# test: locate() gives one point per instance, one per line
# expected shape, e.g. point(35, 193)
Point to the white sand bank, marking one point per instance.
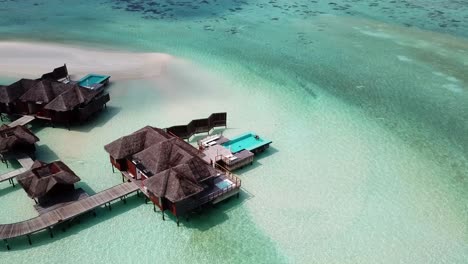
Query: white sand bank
point(30, 60)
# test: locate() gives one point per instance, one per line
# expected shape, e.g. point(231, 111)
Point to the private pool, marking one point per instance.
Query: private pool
point(248, 141)
point(93, 80)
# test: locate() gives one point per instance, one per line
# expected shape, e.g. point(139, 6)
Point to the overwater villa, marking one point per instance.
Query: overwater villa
point(233, 153)
point(49, 99)
point(48, 183)
point(18, 139)
point(172, 173)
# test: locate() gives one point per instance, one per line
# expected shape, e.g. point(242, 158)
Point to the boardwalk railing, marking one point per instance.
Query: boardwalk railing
point(199, 126)
point(67, 212)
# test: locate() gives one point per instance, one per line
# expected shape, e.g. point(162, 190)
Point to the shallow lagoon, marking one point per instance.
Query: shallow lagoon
point(369, 122)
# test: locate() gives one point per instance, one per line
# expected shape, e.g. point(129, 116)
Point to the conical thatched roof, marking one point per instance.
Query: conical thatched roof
point(72, 97)
point(13, 91)
point(44, 91)
point(174, 184)
point(41, 178)
point(11, 137)
point(162, 156)
point(135, 142)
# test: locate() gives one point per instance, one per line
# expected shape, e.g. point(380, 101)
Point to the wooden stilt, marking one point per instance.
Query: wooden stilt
point(113, 171)
point(146, 200)
point(125, 200)
point(163, 215)
point(237, 195)
point(138, 193)
point(110, 207)
point(94, 213)
point(154, 208)
point(29, 239)
point(177, 221)
point(6, 244)
point(51, 233)
point(13, 182)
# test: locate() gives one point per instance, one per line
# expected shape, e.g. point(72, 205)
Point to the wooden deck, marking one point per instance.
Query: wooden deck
point(22, 121)
point(25, 161)
point(12, 174)
point(68, 212)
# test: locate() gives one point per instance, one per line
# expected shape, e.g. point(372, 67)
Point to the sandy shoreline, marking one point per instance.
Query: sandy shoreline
point(31, 59)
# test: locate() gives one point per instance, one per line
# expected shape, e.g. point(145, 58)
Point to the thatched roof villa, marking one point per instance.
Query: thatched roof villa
point(46, 183)
point(48, 99)
point(171, 172)
point(18, 139)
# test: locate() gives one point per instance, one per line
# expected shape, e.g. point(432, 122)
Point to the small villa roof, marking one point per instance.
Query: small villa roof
point(135, 142)
point(72, 97)
point(44, 91)
point(10, 137)
point(42, 177)
point(10, 93)
point(175, 184)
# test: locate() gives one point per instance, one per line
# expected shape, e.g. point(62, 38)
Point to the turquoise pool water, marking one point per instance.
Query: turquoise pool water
point(246, 141)
point(224, 184)
point(91, 79)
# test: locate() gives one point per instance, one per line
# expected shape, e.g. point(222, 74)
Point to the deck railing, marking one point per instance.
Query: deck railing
point(235, 184)
point(199, 125)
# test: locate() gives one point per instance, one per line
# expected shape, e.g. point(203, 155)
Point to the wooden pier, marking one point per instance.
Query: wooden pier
point(26, 119)
point(26, 163)
point(68, 212)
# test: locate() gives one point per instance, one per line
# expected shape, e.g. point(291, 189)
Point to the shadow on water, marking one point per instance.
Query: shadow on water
point(257, 160)
point(212, 215)
point(205, 219)
point(99, 120)
point(46, 154)
point(179, 10)
point(8, 188)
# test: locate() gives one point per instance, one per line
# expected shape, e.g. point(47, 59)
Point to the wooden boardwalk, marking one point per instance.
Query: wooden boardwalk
point(22, 121)
point(67, 212)
point(12, 174)
point(25, 161)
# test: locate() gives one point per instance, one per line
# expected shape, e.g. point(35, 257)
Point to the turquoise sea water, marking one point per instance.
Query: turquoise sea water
point(366, 103)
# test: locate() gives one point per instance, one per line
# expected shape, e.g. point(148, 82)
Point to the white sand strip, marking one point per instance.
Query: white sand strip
point(31, 59)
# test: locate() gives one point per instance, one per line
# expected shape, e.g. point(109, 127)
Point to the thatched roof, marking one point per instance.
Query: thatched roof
point(169, 154)
point(44, 91)
point(174, 184)
point(56, 74)
point(135, 142)
point(13, 91)
point(11, 137)
point(41, 178)
point(72, 97)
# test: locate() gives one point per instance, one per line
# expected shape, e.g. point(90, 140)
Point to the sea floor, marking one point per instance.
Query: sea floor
point(368, 120)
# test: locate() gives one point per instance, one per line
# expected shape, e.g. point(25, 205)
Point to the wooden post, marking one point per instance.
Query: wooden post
point(237, 195)
point(177, 221)
point(50, 232)
point(6, 162)
point(29, 239)
point(13, 182)
point(146, 200)
point(94, 213)
point(163, 215)
point(6, 243)
point(138, 193)
point(110, 207)
point(125, 199)
point(154, 208)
